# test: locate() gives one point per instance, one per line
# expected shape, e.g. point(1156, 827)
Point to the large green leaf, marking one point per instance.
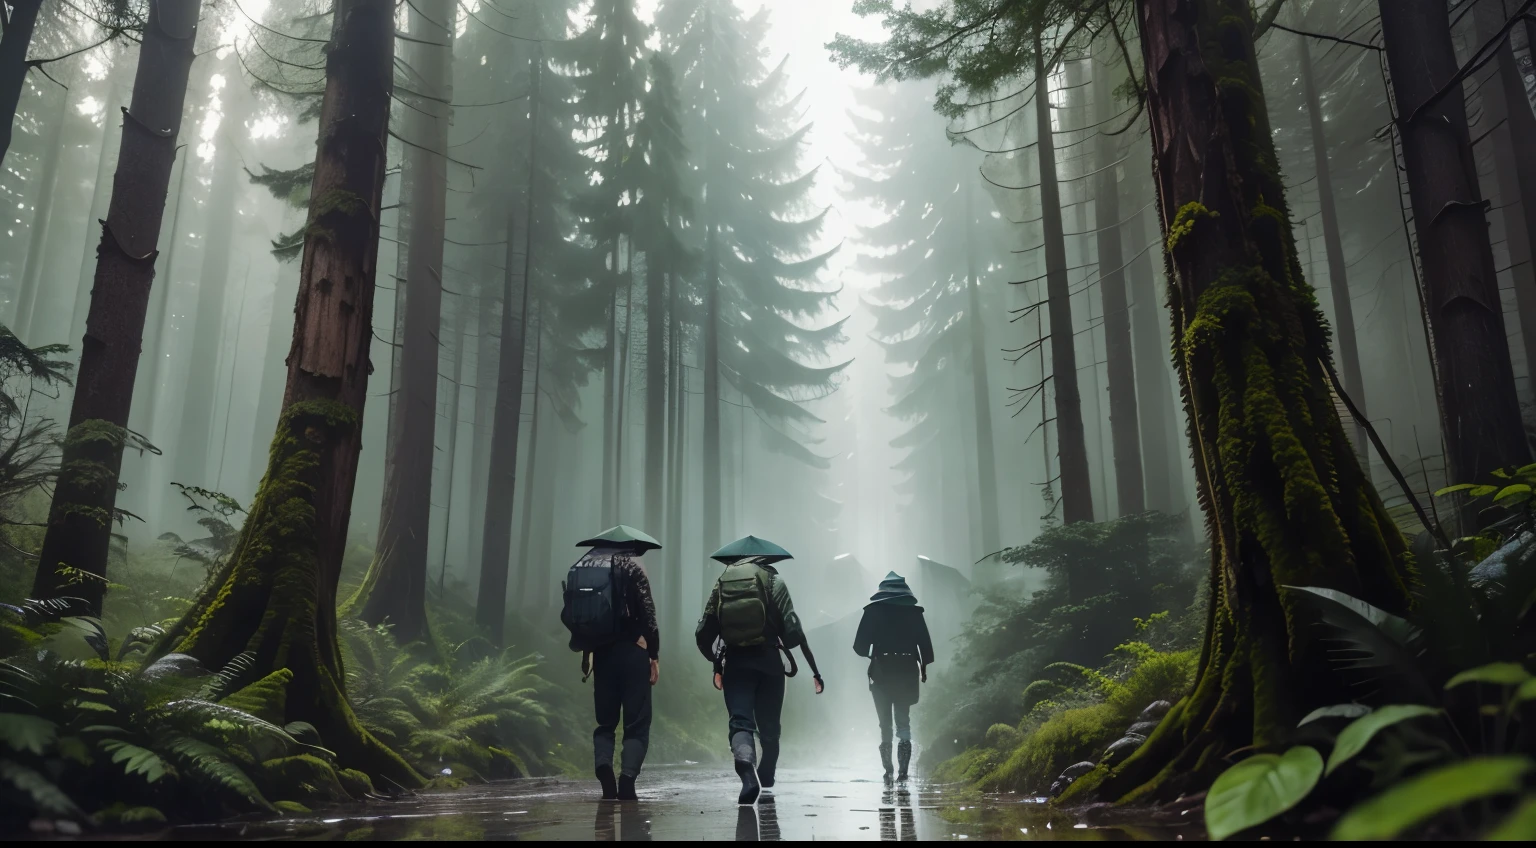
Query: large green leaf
point(1260, 788)
point(1374, 640)
point(1335, 711)
point(1520, 826)
point(1354, 738)
point(1423, 797)
point(1497, 674)
point(30, 733)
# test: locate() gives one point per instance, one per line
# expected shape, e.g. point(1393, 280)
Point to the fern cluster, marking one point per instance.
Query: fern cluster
point(86, 737)
point(475, 715)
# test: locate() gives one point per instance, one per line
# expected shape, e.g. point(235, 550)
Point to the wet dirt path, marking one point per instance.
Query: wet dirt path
point(684, 803)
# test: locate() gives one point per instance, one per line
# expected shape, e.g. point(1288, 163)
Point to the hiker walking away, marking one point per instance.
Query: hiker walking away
point(612, 619)
point(747, 631)
point(894, 636)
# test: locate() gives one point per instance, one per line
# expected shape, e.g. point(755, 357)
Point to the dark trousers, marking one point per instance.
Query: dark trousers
point(621, 681)
point(889, 707)
point(755, 700)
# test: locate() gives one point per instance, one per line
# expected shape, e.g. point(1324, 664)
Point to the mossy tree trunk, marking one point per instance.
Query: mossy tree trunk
point(277, 596)
point(1071, 443)
point(1285, 499)
point(73, 560)
point(398, 590)
point(1479, 412)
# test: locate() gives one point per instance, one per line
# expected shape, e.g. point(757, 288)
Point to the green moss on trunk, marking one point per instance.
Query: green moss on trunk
point(1283, 491)
point(273, 600)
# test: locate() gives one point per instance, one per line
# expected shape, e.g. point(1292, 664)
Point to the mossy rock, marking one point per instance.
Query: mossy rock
point(122, 815)
point(305, 778)
point(444, 783)
point(357, 783)
point(291, 808)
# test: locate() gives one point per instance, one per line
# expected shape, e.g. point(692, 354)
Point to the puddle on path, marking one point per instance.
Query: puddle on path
point(688, 803)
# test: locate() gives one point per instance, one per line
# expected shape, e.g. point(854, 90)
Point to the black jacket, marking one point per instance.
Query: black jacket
point(893, 629)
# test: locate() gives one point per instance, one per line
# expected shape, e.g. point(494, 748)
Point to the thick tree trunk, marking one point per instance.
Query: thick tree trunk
point(42, 218)
point(1512, 133)
point(14, 42)
point(399, 588)
point(1124, 420)
point(1072, 448)
point(1480, 415)
point(111, 132)
point(711, 367)
point(276, 599)
point(73, 560)
point(1286, 501)
point(507, 423)
point(274, 371)
point(981, 392)
point(198, 394)
point(1345, 346)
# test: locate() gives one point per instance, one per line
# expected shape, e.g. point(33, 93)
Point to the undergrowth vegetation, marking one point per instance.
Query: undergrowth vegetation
point(1120, 602)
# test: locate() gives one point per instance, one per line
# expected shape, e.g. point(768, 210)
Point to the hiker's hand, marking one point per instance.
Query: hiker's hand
point(925, 674)
point(655, 671)
point(718, 683)
point(820, 687)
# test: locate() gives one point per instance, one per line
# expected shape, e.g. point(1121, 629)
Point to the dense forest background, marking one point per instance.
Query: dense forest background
point(661, 263)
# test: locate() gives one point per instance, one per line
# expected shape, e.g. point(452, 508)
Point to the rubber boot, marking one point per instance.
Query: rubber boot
point(627, 788)
point(904, 757)
point(767, 765)
point(605, 777)
point(885, 759)
point(744, 750)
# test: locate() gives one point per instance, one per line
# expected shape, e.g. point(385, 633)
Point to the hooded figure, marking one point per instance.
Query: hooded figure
point(894, 636)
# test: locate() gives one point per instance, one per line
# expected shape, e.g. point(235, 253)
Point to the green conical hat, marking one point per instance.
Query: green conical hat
point(750, 547)
point(622, 536)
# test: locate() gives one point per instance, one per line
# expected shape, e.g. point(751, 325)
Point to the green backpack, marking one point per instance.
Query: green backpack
point(745, 605)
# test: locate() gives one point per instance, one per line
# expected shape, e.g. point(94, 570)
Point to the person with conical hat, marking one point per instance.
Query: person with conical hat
point(612, 618)
point(894, 636)
point(748, 622)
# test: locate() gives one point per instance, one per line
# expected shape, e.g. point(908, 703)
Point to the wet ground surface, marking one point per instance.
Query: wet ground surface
point(689, 803)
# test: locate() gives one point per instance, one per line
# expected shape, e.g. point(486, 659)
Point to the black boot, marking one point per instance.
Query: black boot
point(904, 757)
point(768, 765)
point(605, 777)
point(627, 788)
point(885, 760)
point(744, 750)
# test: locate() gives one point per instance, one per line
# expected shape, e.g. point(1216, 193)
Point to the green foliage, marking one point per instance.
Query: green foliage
point(1353, 739)
point(1129, 573)
point(1427, 795)
point(1260, 788)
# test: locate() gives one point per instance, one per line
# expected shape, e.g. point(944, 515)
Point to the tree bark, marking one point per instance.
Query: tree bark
point(527, 547)
point(276, 599)
point(1124, 420)
point(676, 430)
point(1072, 448)
point(42, 218)
point(1512, 132)
point(73, 560)
point(1286, 501)
point(487, 324)
point(981, 392)
point(14, 42)
point(100, 197)
point(197, 397)
point(1480, 415)
point(1345, 346)
point(501, 487)
point(399, 589)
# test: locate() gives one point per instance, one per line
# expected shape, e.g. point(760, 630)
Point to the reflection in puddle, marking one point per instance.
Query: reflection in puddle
point(687, 803)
